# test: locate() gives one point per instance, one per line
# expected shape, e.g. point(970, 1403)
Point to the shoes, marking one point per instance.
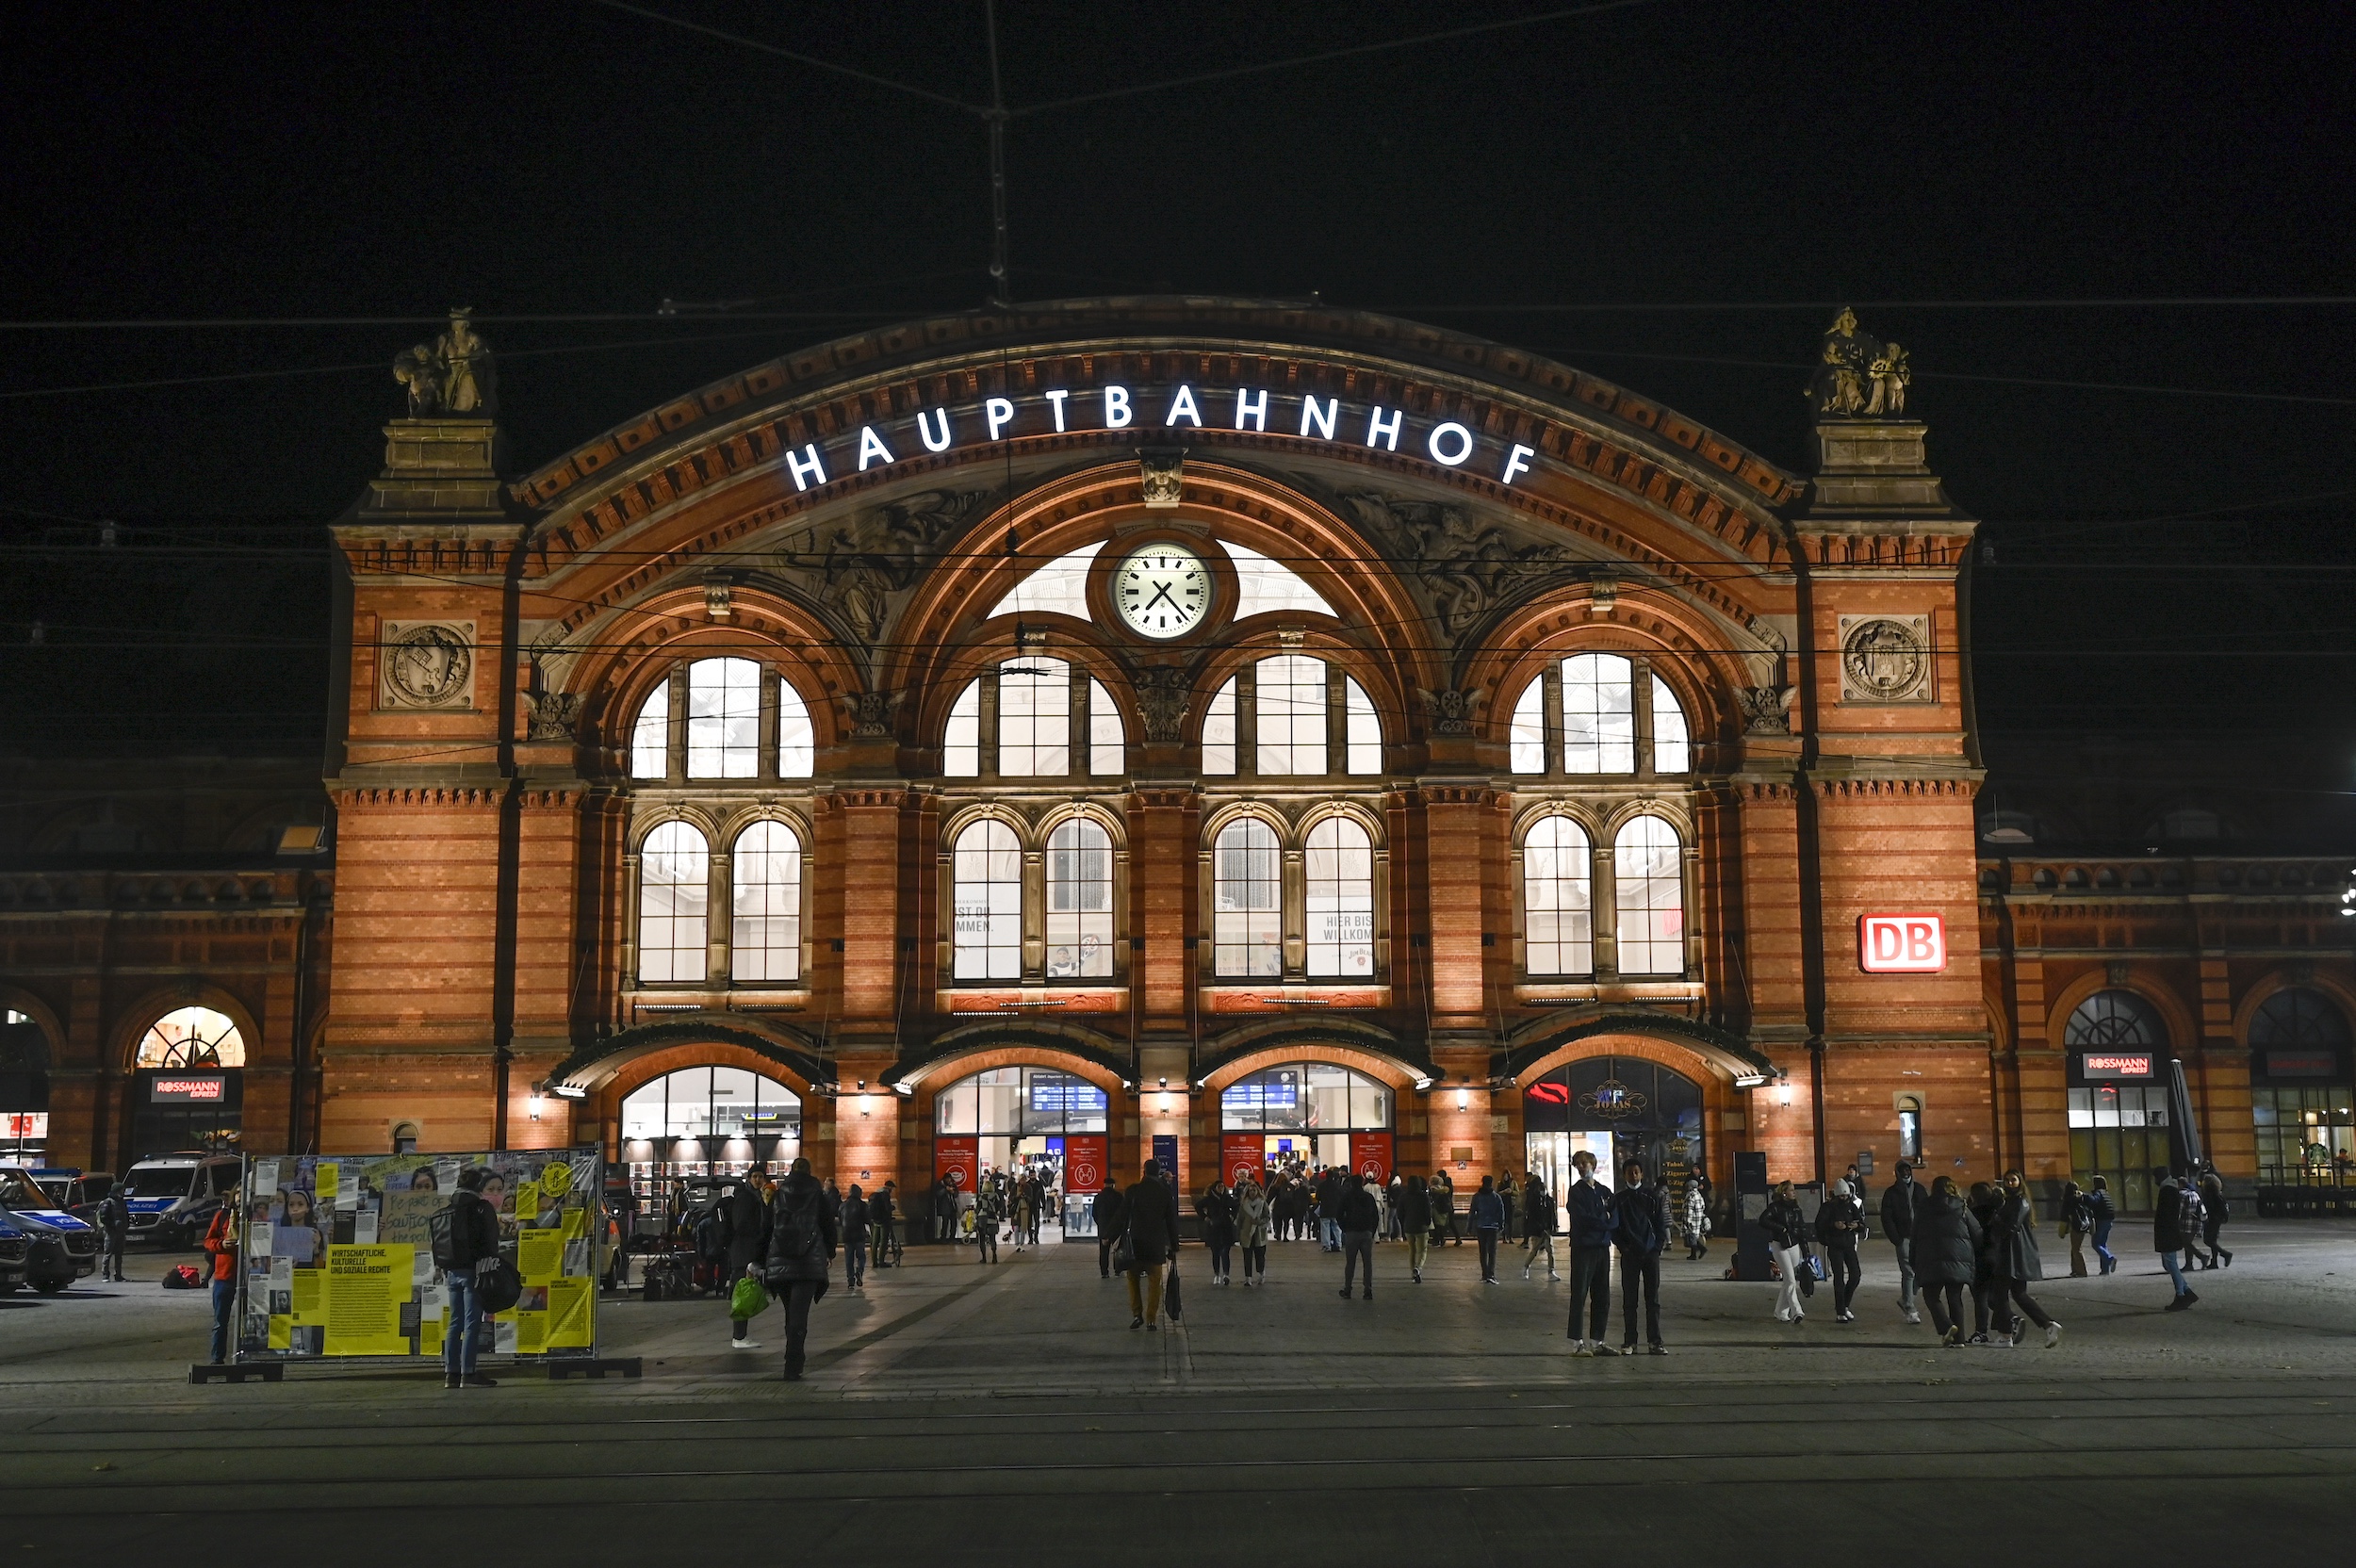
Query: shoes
point(1977, 1339)
point(744, 1345)
point(1660, 1350)
point(1603, 1349)
point(2227, 1256)
point(1369, 1297)
point(1417, 1275)
point(2052, 1335)
point(1552, 1275)
point(1582, 1348)
point(1524, 1273)
point(1798, 1318)
point(1844, 1318)
point(1153, 1327)
point(1137, 1322)
point(480, 1380)
point(1913, 1316)
point(1952, 1337)
point(453, 1383)
point(792, 1376)
point(1489, 1278)
point(1629, 1348)
point(1344, 1293)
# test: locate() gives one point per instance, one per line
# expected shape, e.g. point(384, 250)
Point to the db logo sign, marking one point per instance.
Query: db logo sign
point(1902, 944)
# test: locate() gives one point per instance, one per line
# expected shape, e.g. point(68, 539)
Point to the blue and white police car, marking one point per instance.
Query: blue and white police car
point(60, 1248)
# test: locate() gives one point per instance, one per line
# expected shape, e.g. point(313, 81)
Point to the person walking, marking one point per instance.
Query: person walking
point(1592, 1222)
point(1251, 1231)
point(989, 1210)
point(1538, 1224)
point(853, 1221)
point(1946, 1252)
point(474, 1240)
point(1414, 1221)
point(945, 1208)
point(1643, 1231)
point(2013, 1255)
point(221, 1240)
point(1145, 1220)
point(2213, 1216)
point(2175, 1220)
point(2075, 1224)
point(1698, 1219)
point(1448, 1210)
point(1511, 1197)
point(1216, 1211)
point(1899, 1201)
point(1786, 1233)
point(1840, 1227)
point(1488, 1218)
point(744, 1224)
point(1390, 1207)
point(1110, 1210)
point(1990, 1314)
point(802, 1244)
point(881, 1218)
point(114, 1231)
point(2105, 1214)
point(1359, 1218)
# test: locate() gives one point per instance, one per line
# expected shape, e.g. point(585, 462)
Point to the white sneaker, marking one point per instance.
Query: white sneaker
point(1914, 1317)
point(1581, 1349)
point(2052, 1335)
point(744, 1345)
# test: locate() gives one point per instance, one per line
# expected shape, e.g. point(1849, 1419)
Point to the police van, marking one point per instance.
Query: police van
point(173, 1197)
point(59, 1249)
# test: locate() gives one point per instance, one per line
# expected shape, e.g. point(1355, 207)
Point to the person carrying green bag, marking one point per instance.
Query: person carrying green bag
point(745, 1217)
point(748, 1301)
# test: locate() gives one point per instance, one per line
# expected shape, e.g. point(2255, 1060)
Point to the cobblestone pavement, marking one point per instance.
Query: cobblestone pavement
point(996, 1413)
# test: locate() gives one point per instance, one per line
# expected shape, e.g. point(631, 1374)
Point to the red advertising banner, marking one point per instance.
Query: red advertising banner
point(958, 1157)
point(1086, 1160)
point(1371, 1155)
point(1242, 1154)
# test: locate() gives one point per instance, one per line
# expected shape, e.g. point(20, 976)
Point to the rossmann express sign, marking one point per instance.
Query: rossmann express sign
point(1902, 943)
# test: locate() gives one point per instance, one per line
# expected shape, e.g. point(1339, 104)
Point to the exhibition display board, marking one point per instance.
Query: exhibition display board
point(338, 1259)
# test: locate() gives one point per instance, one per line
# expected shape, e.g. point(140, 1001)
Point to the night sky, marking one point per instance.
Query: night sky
point(1672, 194)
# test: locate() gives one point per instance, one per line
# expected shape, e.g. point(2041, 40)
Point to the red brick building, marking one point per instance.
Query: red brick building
point(1271, 729)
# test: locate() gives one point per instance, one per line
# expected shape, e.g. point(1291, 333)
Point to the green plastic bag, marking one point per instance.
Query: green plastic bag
point(747, 1300)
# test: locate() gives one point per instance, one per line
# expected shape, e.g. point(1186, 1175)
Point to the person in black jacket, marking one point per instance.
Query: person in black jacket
point(2175, 1220)
point(1839, 1225)
point(851, 1219)
point(1898, 1205)
point(1786, 1233)
point(1538, 1224)
point(1594, 1221)
point(802, 1244)
point(1415, 1220)
point(1642, 1230)
point(1110, 1210)
point(744, 1217)
point(1216, 1211)
point(1946, 1256)
point(474, 1240)
point(2213, 1216)
point(114, 1228)
point(1359, 1218)
point(2103, 1213)
point(2012, 1254)
point(883, 1216)
point(1149, 1222)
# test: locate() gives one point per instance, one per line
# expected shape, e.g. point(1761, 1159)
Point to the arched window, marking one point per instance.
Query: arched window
point(674, 901)
point(1218, 731)
point(1605, 730)
point(1339, 899)
point(1108, 740)
point(1287, 706)
point(986, 870)
point(765, 934)
point(1029, 705)
point(1528, 738)
point(962, 743)
point(1247, 901)
point(1034, 718)
point(1364, 730)
point(650, 737)
point(1291, 727)
point(1669, 750)
point(1558, 899)
point(192, 1036)
point(1305, 1112)
point(2298, 1017)
point(1649, 883)
point(723, 718)
point(2115, 1018)
point(797, 744)
point(1079, 902)
point(705, 1121)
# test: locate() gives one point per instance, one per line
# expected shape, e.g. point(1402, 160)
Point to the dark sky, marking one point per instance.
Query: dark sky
point(390, 160)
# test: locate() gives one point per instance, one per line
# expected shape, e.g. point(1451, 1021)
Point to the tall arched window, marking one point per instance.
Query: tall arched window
point(765, 934)
point(650, 737)
point(1108, 740)
point(1247, 902)
point(1558, 899)
point(2119, 1115)
point(674, 900)
point(1024, 718)
point(2297, 1016)
point(1291, 727)
point(2115, 1018)
point(1218, 731)
point(723, 718)
point(962, 743)
point(987, 870)
point(192, 1036)
point(797, 744)
point(1528, 738)
point(1669, 750)
point(2299, 1091)
point(1079, 902)
point(1605, 729)
point(1296, 724)
point(1034, 718)
point(1649, 883)
point(1339, 902)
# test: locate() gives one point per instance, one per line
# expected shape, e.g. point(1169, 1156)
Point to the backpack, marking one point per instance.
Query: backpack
point(441, 1228)
point(182, 1278)
point(798, 1234)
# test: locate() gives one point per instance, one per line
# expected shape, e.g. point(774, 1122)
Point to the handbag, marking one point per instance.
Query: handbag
point(1124, 1254)
point(497, 1286)
point(749, 1300)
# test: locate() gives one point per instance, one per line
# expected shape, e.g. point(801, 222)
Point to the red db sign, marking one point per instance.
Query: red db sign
point(1901, 944)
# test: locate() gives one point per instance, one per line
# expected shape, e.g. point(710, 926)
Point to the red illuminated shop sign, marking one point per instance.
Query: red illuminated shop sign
point(1902, 944)
point(189, 1091)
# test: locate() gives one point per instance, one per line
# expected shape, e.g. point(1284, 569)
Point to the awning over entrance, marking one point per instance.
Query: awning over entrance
point(594, 1065)
point(1729, 1053)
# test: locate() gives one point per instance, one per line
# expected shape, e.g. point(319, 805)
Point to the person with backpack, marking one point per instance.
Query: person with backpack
point(1488, 1218)
point(1110, 1210)
point(221, 1240)
point(743, 1216)
point(2104, 1214)
point(1839, 1225)
point(989, 1211)
point(802, 1244)
point(1786, 1233)
point(465, 1235)
point(1415, 1222)
point(1594, 1221)
point(2175, 1220)
point(1538, 1225)
point(1946, 1249)
point(2213, 1216)
point(114, 1230)
point(852, 1219)
point(1642, 1209)
point(2075, 1225)
point(1899, 1202)
point(883, 1218)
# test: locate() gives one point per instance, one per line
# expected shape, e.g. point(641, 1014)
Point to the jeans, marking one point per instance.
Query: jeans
point(2175, 1272)
point(1487, 1239)
point(1418, 1248)
point(1104, 1246)
point(884, 1235)
point(1541, 1245)
point(1591, 1286)
point(1333, 1236)
point(2018, 1291)
point(1145, 1291)
point(854, 1262)
point(2103, 1245)
point(1904, 1248)
point(1640, 1271)
point(458, 1343)
point(1788, 1298)
point(1357, 1245)
point(1845, 1274)
point(224, 1305)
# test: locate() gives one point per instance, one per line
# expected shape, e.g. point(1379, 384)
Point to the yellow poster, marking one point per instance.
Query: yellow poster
point(539, 1256)
point(324, 1180)
point(430, 1337)
point(305, 1298)
point(572, 1321)
point(531, 1332)
point(279, 1336)
point(528, 1201)
point(366, 1287)
point(576, 1224)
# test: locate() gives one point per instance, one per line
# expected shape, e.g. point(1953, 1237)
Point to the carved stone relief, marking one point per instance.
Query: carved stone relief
point(425, 665)
point(1886, 659)
point(1766, 711)
point(1451, 711)
point(1466, 566)
point(862, 566)
point(555, 716)
point(1162, 469)
point(1163, 694)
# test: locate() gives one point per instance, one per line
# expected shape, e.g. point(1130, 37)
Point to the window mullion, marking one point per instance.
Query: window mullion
point(988, 724)
point(1337, 721)
point(675, 741)
point(1640, 707)
point(1247, 721)
point(1551, 718)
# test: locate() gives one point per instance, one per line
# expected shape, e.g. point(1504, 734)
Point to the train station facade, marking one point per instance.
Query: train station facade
point(1211, 729)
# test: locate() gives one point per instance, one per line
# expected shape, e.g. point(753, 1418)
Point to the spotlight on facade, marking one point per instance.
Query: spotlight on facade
point(570, 1091)
point(1751, 1081)
point(1423, 1085)
point(905, 1090)
point(866, 1106)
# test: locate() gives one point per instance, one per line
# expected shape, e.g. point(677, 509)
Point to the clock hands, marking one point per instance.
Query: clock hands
point(1160, 592)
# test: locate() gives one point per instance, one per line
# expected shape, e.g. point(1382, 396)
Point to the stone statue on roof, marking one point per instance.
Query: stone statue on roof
point(1858, 376)
point(453, 374)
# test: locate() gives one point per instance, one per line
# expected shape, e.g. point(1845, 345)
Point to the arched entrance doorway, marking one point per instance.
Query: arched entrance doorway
point(1300, 1116)
point(188, 1083)
point(703, 1125)
point(24, 1088)
point(1011, 1125)
point(1617, 1108)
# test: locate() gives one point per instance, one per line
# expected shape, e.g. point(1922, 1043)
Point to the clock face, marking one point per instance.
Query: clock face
point(1162, 590)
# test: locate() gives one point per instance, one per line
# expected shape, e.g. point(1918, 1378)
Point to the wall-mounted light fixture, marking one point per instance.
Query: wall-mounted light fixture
point(1165, 1086)
point(533, 1104)
point(1753, 1080)
point(1422, 1084)
point(866, 1106)
point(1783, 1092)
point(1464, 1098)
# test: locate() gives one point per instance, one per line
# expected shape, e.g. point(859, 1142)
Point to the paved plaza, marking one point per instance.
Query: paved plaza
point(1010, 1414)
